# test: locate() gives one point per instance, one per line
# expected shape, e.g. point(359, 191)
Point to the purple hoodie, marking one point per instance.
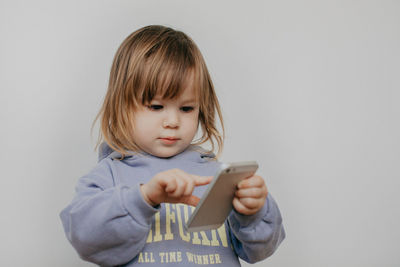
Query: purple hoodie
point(109, 223)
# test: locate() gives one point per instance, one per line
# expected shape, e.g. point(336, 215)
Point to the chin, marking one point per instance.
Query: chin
point(168, 152)
point(164, 153)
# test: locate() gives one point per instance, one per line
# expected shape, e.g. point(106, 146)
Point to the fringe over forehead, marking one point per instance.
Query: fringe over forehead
point(160, 61)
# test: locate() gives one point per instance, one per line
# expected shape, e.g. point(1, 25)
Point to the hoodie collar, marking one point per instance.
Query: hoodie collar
point(196, 153)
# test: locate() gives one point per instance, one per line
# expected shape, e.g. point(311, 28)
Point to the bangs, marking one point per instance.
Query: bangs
point(169, 69)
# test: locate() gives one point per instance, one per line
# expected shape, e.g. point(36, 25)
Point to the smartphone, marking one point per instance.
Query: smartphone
point(216, 203)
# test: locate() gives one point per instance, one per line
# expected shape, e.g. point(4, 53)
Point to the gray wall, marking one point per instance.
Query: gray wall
point(309, 89)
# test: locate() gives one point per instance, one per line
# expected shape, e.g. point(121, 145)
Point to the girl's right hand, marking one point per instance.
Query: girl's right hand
point(173, 186)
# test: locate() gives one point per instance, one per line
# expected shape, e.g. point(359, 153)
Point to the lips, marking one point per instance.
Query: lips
point(169, 140)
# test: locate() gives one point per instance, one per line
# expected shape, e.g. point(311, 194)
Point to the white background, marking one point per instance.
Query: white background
point(309, 89)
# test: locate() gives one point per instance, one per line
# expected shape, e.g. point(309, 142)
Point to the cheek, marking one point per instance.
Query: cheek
point(193, 124)
point(145, 124)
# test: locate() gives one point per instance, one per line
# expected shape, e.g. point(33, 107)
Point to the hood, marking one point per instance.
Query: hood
point(106, 151)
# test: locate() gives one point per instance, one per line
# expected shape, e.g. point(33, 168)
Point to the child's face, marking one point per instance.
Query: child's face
point(166, 127)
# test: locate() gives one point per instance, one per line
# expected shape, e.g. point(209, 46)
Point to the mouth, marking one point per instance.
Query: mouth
point(169, 140)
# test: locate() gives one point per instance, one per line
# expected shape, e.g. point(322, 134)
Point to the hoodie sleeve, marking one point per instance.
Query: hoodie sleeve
point(107, 224)
point(256, 237)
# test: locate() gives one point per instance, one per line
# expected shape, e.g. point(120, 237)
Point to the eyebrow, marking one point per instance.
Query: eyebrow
point(191, 100)
point(185, 101)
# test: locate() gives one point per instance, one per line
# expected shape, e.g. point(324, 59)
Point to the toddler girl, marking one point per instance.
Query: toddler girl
point(131, 208)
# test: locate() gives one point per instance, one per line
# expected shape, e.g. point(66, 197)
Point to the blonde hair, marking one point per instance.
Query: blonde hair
point(155, 60)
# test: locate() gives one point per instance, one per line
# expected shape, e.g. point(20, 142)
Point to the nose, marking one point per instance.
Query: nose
point(171, 119)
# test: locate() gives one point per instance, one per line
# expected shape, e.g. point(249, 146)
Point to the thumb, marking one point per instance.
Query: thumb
point(190, 200)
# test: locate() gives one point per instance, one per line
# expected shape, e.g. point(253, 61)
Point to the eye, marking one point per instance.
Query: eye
point(155, 107)
point(187, 109)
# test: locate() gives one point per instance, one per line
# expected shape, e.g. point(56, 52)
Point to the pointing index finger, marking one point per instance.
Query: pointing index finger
point(202, 180)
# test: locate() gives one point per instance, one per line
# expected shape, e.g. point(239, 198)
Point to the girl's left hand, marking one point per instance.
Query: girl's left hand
point(250, 196)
